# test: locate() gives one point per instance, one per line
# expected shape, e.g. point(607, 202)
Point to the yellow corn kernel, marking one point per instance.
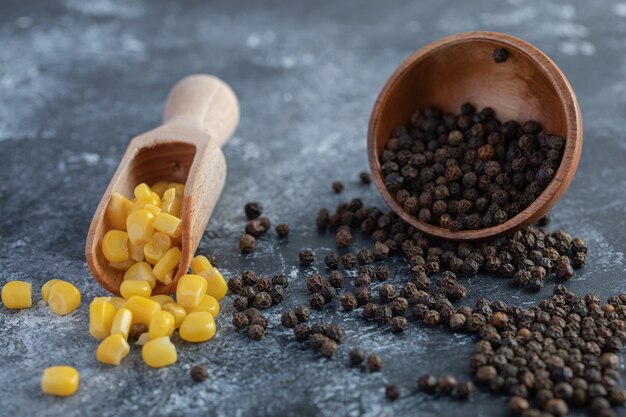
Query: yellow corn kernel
point(162, 324)
point(129, 288)
point(61, 381)
point(118, 302)
point(190, 290)
point(167, 263)
point(156, 199)
point(208, 304)
point(64, 298)
point(216, 284)
point(117, 210)
point(177, 311)
point(152, 209)
point(197, 327)
point(162, 299)
point(17, 294)
point(180, 188)
point(142, 339)
point(168, 278)
point(113, 349)
point(101, 316)
point(159, 187)
point(122, 321)
point(171, 203)
point(156, 247)
point(136, 252)
point(140, 225)
point(143, 309)
point(122, 266)
point(159, 352)
point(45, 288)
point(168, 224)
point(200, 263)
point(115, 246)
point(141, 271)
point(142, 192)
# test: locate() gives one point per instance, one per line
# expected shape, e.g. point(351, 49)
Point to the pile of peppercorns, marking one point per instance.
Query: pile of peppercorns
point(468, 171)
point(257, 291)
point(560, 353)
point(258, 226)
point(527, 255)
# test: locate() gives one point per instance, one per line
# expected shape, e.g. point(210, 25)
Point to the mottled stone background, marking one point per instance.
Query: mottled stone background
point(79, 78)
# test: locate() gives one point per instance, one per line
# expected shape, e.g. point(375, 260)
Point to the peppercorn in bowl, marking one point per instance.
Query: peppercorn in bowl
point(474, 136)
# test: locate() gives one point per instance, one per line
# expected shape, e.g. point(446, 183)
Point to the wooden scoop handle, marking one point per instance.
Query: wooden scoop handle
point(205, 103)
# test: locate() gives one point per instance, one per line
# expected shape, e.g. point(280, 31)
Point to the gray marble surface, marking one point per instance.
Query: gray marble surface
point(79, 78)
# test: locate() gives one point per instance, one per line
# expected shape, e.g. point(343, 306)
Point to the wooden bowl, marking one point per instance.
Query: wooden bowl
point(459, 69)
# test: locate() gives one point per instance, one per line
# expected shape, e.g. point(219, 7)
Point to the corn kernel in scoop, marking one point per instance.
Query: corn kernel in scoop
point(197, 327)
point(156, 247)
point(118, 302)
point(142, 192)
point(140, 225)
point(136, 252)
point(190, 290)
point(141, 271)
point(168, 224)
point(61, 381)
point(159, 187)
point(64, 298)
point(171, 203)
point(122, 266)
point(115, 246)
point(117, 210)
point(128, 288)
point(143, 309)
point(216, 284)
point(162, 324)
point(113, 349)
point(166, 264)
point(159, 352)
point(101, 314)
point(17, 294)
point(122, 320)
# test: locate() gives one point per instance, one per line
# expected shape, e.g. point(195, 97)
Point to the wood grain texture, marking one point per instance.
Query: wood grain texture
point(201, 114)
point(460, 68)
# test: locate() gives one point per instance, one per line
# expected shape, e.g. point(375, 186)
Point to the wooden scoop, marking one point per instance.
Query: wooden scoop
point(460, 68)
point(201, 113)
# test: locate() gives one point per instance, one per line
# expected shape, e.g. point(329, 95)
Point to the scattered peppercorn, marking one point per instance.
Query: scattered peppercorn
point(337, 187)
point(343, 237)
point(398, 324)
point(256, 332)
point(306, 257)
point(199, 373)
point(137, 330)
point(289, 318)
point(331, 260)
point(316, 301)
point(348, 301)
point(247, 243)
point(282, 230)
point(240, 320)
point(392, 392)
point(500, 55)
point(374, 362)
point(235, 285)
point(253, 210)
point(302, 313)
point(427, 383)
point(301, 331)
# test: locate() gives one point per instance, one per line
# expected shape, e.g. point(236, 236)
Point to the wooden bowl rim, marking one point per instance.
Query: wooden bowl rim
point(571, 154)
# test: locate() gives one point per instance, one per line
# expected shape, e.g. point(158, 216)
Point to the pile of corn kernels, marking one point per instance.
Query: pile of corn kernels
point(144, 242)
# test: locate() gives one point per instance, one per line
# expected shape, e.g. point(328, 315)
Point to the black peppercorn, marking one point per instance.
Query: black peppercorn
point(335, 332)
point(235, 285)
point(282, 230)
point(277, 293)
point(398, 324)
point(374, 362)
point(137, 330)
point(315, 283)
point(262, 300)
point(343, 237)
point(260, 320)
point(306, 257)
point(392, 392)
point(362, 295)
point(427, 383)
point(262, 284)
point(301, 331)
point(302, 313)
point(337, 187)
point(255, 228)
point(199, 373)
point(249, 278)
point(356, 356)
point(240, 320)
point(317, 301)
point(247, 243)
point(446, 384)
point(387, 293)
point(256, 332)
point(328, 348)
point(240, 303)
point(348, 301)
point(331, 260)
point(253, 210)
point(289, 318)
point(335, 278)
point(465, 389)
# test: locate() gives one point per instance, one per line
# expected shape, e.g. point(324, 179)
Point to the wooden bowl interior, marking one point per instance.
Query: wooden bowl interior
point(164, 162)
point(461, 70)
